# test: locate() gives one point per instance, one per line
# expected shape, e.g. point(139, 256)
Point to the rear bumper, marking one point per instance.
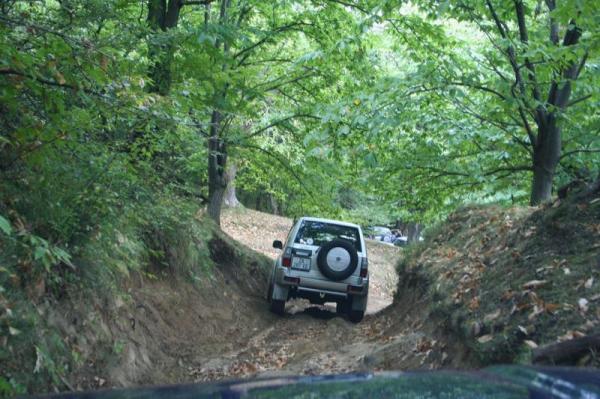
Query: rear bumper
point(360, 285)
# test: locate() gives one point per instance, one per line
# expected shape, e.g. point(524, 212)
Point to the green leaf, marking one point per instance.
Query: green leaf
point(5, 226)
point(39, 253)
point(13, 331)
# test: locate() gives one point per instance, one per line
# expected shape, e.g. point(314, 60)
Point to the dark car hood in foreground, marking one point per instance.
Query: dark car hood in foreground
point(496, 382)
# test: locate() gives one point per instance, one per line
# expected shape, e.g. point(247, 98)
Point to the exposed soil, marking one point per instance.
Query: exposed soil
point(170, 331)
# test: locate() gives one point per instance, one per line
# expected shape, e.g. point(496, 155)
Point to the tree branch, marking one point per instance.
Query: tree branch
point(479, 87)
point(518, 168)
point(510, 50)
point(551, 4)
point(586, 150)
point(351, 5)
point(280, 161)
point(8, 71)
point(560, 96)
point(268, 36)
point(580, 99)
point(196, 2)
point(277, 122)
point(520, 11)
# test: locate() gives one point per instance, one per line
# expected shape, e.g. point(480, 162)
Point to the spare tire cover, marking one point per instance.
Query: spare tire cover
point(337, 259)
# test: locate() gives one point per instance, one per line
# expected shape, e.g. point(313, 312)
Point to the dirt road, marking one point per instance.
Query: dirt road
point(220, 327)
point(313, 339)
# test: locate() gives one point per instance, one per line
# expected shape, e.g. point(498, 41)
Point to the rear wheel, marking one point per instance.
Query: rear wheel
point(270, 292)
point(341, 307)
point(277, 306)
point(356, 316)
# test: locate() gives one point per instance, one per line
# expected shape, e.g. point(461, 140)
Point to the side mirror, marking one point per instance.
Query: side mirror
point(277, 244)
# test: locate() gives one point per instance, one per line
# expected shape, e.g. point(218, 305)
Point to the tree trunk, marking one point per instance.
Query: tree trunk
point(162, 16)
point(546, 155)
point(414, 232)
point(258, 201)
point(547, 146)
point(217, 161)
point(217, 151)
point(230, 199)
point(215, 201)
point(274, 205)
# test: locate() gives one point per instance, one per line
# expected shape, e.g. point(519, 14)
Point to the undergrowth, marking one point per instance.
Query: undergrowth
point(159, 240)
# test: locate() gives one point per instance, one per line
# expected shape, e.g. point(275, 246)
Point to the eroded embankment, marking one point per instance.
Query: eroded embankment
point(161, 326)
point(508, 284)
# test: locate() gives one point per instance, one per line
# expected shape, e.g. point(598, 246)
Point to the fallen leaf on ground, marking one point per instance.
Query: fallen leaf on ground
point(537, 310)
point(485, 338)
point(492, 316)
point(508, 295)
point(533, 284)
point(474, 304)
point(583, 304)
point(551, 307)
point(424, 345)
point(530, 344)
point(523, 330)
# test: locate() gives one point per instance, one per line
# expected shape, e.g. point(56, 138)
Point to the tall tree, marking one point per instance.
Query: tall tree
point(543, 98)
point(261, 53)
point(529, 72)
point(163, 15)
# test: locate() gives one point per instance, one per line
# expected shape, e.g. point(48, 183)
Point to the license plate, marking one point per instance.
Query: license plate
point(300, 263)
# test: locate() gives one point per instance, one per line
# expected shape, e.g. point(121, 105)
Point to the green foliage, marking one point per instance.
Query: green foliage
point(370, 111)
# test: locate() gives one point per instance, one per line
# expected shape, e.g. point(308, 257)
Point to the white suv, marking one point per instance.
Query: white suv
point(322, 261)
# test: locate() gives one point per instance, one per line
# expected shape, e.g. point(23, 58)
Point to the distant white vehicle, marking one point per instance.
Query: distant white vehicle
point(401, 241)
point(322, 261)
point(380, 233)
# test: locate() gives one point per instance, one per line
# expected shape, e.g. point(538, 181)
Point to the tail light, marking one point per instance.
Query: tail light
point(353, 289)
point(286, 260)
point(364, 267)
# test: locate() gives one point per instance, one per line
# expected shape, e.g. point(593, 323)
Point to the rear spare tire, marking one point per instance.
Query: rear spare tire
point(337, 259)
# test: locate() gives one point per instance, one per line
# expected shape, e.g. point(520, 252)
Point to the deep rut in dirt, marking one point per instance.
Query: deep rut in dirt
point(175, 332)
point(314, 339)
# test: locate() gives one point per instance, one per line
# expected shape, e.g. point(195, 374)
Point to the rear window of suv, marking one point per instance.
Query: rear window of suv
point(318, 233)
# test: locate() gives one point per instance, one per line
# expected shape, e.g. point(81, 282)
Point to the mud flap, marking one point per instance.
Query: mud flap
point(280, 292)
point(359, 303)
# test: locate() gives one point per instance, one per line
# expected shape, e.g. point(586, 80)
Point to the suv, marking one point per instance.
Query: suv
point(322, 261)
